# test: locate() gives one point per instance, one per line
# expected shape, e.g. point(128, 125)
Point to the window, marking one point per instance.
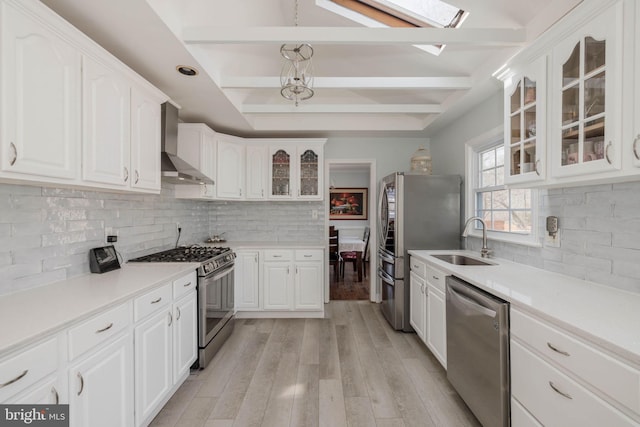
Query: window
point(508, 213)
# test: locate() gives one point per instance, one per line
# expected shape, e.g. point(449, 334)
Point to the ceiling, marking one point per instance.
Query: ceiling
point(368, 81)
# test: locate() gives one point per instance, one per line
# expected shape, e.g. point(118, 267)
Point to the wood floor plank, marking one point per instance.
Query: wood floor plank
point(400, 341)
point(280, 404)
point(306, 411)
point(359, 412)
point(339, 312)
point(230, 400)
point(310, 352)
point(329, 358)
point(172, 411)
point(353, 382)
point(377, 330)
point(332, 408)
point(384, 405)
point(389, 422)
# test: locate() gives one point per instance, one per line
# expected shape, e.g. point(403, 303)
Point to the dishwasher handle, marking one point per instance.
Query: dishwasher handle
point(471, 304)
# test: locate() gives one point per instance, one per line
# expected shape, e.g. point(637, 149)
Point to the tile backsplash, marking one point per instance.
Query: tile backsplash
point(46, 233)
point(599, 235)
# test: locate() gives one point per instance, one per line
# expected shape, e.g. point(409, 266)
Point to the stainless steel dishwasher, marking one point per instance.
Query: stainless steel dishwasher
point(478, 351)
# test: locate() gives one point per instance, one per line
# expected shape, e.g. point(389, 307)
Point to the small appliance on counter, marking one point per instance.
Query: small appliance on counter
point(215, 293)
point(103, 259)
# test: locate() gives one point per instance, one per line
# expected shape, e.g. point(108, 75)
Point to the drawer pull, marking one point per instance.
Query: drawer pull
point(561, 393)
point(155, 301)
point(308, 256)
point(187, 284)
point(137, 176)
point(18, 378)
point(126, 174)
point(14, 154)
point(435, 278)
point(81, 383)
point(55, 393)
point(554, 348)
point(170, 319)
point(106, 328)
point(606, 152)
point(179, 313)
point(635, 146)
point(277, 256)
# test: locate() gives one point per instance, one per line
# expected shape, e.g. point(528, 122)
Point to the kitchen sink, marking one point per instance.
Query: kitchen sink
point(461, 260)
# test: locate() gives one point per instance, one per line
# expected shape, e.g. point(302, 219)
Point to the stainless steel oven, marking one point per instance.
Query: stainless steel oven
point(215, 311)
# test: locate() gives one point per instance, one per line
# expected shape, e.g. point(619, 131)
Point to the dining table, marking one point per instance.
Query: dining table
point(353, 244)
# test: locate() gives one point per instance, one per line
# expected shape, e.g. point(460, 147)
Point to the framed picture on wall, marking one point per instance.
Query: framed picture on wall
point(348, 203)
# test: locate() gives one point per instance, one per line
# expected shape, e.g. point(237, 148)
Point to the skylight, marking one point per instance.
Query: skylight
point(420, 12)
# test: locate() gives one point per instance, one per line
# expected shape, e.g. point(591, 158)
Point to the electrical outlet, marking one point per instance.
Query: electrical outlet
point(108, 231)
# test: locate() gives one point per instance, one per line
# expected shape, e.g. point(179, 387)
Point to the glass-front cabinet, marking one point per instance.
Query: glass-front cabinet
point(635, 136)
point(587, 73)
point(525, 124)
point(295, 171)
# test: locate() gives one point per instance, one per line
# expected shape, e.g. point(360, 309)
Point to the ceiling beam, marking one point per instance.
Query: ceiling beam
point(444, 83)
point(342, 108)
point(354, 35)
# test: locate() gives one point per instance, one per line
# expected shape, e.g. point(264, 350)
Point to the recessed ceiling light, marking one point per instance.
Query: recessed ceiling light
point(187, 70)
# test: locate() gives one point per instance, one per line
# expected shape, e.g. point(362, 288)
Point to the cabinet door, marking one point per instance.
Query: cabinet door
point(587, 75)
point(208, 156)
point(185, 334)
point(256, 172)
point(308, 286)
point(101, 387)
point(105, 125)
point(247, 280)
point(40, 100)
point(635, 139)
point(525, 124)
point(277, 286)
point(281, 168)
point(418, 296)
point(310, 165)
point(230, 162)
point(437, 324)
point(153, 362)
point(145, 141)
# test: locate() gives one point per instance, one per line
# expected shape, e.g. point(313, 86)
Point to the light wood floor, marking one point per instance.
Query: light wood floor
point(348, 369)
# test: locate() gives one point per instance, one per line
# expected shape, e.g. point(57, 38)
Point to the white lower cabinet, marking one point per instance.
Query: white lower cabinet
point(279, 280)
point(561, 380)
point(247, 280)
point(428, 307)
point(45, 392)
point(185, 337)
point(153, 357)
point(101, 386)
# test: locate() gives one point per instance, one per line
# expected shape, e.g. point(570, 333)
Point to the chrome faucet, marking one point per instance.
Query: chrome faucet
point(485, 252)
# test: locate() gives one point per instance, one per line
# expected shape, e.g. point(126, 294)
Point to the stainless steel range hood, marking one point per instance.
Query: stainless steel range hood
point(174, 169)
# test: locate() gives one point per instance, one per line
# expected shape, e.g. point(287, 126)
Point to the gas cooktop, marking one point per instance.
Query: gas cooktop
point(210, 258)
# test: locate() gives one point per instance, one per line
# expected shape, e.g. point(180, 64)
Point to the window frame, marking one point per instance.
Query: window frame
point(473, 148)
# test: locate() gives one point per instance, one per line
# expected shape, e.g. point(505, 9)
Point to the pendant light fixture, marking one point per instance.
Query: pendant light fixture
point(296, 78)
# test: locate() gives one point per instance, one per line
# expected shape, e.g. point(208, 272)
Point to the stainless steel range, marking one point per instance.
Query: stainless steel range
point(215, 293)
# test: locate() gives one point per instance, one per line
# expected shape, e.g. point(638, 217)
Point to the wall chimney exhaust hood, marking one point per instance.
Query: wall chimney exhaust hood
point(174, 169)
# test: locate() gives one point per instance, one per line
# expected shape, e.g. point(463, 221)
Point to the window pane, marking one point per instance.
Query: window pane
point(436, 11)
point(485, 200)
point(500, 221)
point(521, 199)
point(500, 176)
point(500, 156)
point(501, 199)
point(488, 159)
point(488, 178)
point(521, 222)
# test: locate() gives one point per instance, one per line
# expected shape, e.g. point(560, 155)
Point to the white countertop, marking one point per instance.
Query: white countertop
point(29, 315)
point(270, 245)
point(601, 314)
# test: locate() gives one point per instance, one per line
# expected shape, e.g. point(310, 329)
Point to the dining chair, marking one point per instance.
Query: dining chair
point(335, 260)
point(352, 257)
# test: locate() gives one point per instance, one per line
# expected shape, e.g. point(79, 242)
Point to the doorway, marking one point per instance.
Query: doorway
point(354, 174)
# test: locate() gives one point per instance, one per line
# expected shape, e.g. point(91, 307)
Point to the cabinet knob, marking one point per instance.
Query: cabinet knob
point(635, 147)
point(126, 174)
point(606, 152)
point(14, 154)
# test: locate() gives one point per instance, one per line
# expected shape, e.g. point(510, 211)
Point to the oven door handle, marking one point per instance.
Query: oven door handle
point(386, 278)
point(221, 274)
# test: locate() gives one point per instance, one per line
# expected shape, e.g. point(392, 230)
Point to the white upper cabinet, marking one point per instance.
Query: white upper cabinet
point(106, 124)
point(310, 166)
point(586, 98)
point(296, 170)
point(197, 146)
point(281, 179)
point(145, 141)
point(41, 99)
point(230, 167)
point(256, 180)
point(525, 124)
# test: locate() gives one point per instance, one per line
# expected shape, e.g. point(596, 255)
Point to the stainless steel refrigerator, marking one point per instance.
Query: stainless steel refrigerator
point(415, 211)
